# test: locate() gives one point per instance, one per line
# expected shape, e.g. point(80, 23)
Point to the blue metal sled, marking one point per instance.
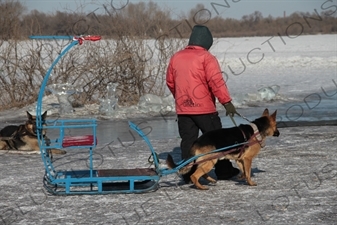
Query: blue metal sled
point(91, 180)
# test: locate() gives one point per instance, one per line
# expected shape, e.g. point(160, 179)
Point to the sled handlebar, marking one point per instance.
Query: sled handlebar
point(80, 39)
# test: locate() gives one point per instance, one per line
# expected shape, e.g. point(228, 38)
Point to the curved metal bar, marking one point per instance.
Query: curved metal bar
point(142, 135)
point(39, 122)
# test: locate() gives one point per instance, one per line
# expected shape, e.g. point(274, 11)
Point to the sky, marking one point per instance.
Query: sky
point(225, 8)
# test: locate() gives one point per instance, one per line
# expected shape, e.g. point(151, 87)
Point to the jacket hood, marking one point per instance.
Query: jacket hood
point(201, 36)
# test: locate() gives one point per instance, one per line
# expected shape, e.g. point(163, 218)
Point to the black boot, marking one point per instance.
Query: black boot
point(224, 170)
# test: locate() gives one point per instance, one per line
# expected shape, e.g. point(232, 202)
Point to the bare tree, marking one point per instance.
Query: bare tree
point(11, 12)
point(138, 41)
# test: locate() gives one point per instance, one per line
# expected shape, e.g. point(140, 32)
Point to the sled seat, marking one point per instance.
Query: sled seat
point(83, 140)
point(126, 172)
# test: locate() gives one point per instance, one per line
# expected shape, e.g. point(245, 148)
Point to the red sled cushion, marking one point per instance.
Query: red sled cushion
point(83, 140)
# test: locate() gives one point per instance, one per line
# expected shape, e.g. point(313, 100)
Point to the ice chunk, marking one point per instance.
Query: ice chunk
point(150, 99)
point(155, 103)
point(65, 105)
point(168, 101)
point(111, 90)
point(62, 92)
point(61, 89)
point(150, 103)
point(109, 105)
point(269, 93)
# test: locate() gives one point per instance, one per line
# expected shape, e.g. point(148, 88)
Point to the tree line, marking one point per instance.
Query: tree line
point(148, 20)
point(123, 56)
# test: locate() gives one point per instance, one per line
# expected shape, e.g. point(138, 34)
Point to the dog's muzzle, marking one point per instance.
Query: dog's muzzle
point(276, 133)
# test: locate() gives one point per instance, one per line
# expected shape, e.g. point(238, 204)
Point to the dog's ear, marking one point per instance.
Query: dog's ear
point(30, 117)
point(44, 115)
point(273, 116)
point(265, 112)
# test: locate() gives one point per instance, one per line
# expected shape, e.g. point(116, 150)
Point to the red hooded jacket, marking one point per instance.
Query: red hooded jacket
point(194, 77)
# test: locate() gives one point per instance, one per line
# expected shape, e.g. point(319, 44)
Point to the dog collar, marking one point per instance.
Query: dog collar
point(257, 135)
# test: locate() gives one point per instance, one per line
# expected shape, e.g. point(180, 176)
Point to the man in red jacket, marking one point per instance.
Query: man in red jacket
point(194, 78)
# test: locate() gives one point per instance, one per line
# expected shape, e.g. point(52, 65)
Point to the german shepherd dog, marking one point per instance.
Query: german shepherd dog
point(253, 136)
point(24, 136)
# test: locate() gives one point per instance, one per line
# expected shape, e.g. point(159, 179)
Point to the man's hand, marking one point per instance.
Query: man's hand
point(230, 109)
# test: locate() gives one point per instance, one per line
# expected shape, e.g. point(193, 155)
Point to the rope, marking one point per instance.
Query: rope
point(219, 155)
point(243, 117)
point(232, 118)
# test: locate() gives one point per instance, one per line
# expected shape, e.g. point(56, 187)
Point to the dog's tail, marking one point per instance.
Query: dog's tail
point(186, 169)
point(171, 165)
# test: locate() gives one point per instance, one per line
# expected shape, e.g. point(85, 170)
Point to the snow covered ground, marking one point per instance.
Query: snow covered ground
point(296, 175)
point(296, 172)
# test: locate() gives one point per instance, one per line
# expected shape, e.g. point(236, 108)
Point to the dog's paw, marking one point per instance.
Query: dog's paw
point(251, 183)
point(241, 177)
point(211, 180)
point(202, 187)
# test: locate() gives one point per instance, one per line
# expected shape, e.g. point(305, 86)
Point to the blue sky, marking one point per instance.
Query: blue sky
point(234, 9)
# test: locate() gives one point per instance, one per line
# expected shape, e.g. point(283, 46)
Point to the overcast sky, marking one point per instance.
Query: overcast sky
point(226, 8)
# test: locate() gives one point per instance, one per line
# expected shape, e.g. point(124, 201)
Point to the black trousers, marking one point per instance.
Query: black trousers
point(189, 128)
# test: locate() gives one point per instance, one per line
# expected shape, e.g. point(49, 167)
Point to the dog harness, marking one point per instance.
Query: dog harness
point(240, 150)
point(257, 135)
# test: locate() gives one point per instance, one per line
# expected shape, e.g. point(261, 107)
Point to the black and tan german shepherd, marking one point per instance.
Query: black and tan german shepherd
point(24, 137)
point(253, 135)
